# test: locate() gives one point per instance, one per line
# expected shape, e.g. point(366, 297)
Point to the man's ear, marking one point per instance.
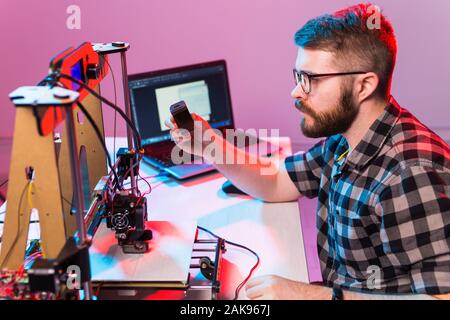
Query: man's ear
point(365, 85)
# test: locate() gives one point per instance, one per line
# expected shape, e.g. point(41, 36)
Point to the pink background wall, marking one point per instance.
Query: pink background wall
point(255, 37)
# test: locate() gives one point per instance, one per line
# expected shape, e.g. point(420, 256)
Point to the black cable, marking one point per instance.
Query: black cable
point(239, 287)
point(109, 103)
point(31, 221)
point(4, 182)
point(148, 183)
point(2, 197)
point(97, 131)
point(99, 136)
point(114, 106)
point(115, 102)
point(159, 175)
point(128, 172)
point(18, 234)
point(68, 202)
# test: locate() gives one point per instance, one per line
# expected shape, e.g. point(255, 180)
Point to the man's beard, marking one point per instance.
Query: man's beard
point(337, 120)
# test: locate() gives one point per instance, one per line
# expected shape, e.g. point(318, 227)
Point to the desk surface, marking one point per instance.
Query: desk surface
point(167, 259)
point(273, 230)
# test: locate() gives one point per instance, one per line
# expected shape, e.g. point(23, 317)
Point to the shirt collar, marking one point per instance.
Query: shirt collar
point(375, 137)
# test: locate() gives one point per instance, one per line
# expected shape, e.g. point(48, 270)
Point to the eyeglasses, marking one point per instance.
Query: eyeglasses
point(304, 78)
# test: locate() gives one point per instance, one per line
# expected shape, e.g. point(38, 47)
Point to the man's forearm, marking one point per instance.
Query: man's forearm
point(250, 173)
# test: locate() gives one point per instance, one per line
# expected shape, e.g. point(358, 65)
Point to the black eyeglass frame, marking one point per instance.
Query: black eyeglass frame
point(309, 76)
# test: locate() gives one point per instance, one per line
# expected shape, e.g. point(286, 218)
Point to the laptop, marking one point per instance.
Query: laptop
point(205, 89)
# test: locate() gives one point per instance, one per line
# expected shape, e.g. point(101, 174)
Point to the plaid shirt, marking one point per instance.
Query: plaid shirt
point(384, 208)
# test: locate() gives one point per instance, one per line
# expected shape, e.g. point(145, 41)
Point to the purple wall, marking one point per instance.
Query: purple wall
point(255, 37)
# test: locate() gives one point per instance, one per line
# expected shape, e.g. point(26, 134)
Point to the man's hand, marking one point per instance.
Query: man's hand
point(273, 287)
point(186, 141)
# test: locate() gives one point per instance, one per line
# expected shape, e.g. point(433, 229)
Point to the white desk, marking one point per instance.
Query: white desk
point(272, 230)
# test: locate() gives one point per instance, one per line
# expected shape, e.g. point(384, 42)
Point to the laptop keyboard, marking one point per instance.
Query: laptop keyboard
point(165, 161)
point(160, 162)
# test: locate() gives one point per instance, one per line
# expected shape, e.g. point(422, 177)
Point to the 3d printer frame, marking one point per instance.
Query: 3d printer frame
point(51, 174)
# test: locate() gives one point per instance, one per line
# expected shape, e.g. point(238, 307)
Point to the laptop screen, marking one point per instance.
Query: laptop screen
point(204, 87)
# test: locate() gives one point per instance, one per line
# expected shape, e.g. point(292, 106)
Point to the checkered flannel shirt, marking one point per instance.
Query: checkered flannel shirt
point(384, 209)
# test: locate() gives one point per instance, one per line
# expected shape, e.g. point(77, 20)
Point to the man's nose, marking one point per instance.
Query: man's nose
point(298, 93)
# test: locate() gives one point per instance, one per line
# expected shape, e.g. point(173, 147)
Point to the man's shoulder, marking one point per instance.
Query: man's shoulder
point(413, 143)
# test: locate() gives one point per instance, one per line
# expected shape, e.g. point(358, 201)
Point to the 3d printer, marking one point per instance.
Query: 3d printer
point(72, 82)
point(69, 183)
